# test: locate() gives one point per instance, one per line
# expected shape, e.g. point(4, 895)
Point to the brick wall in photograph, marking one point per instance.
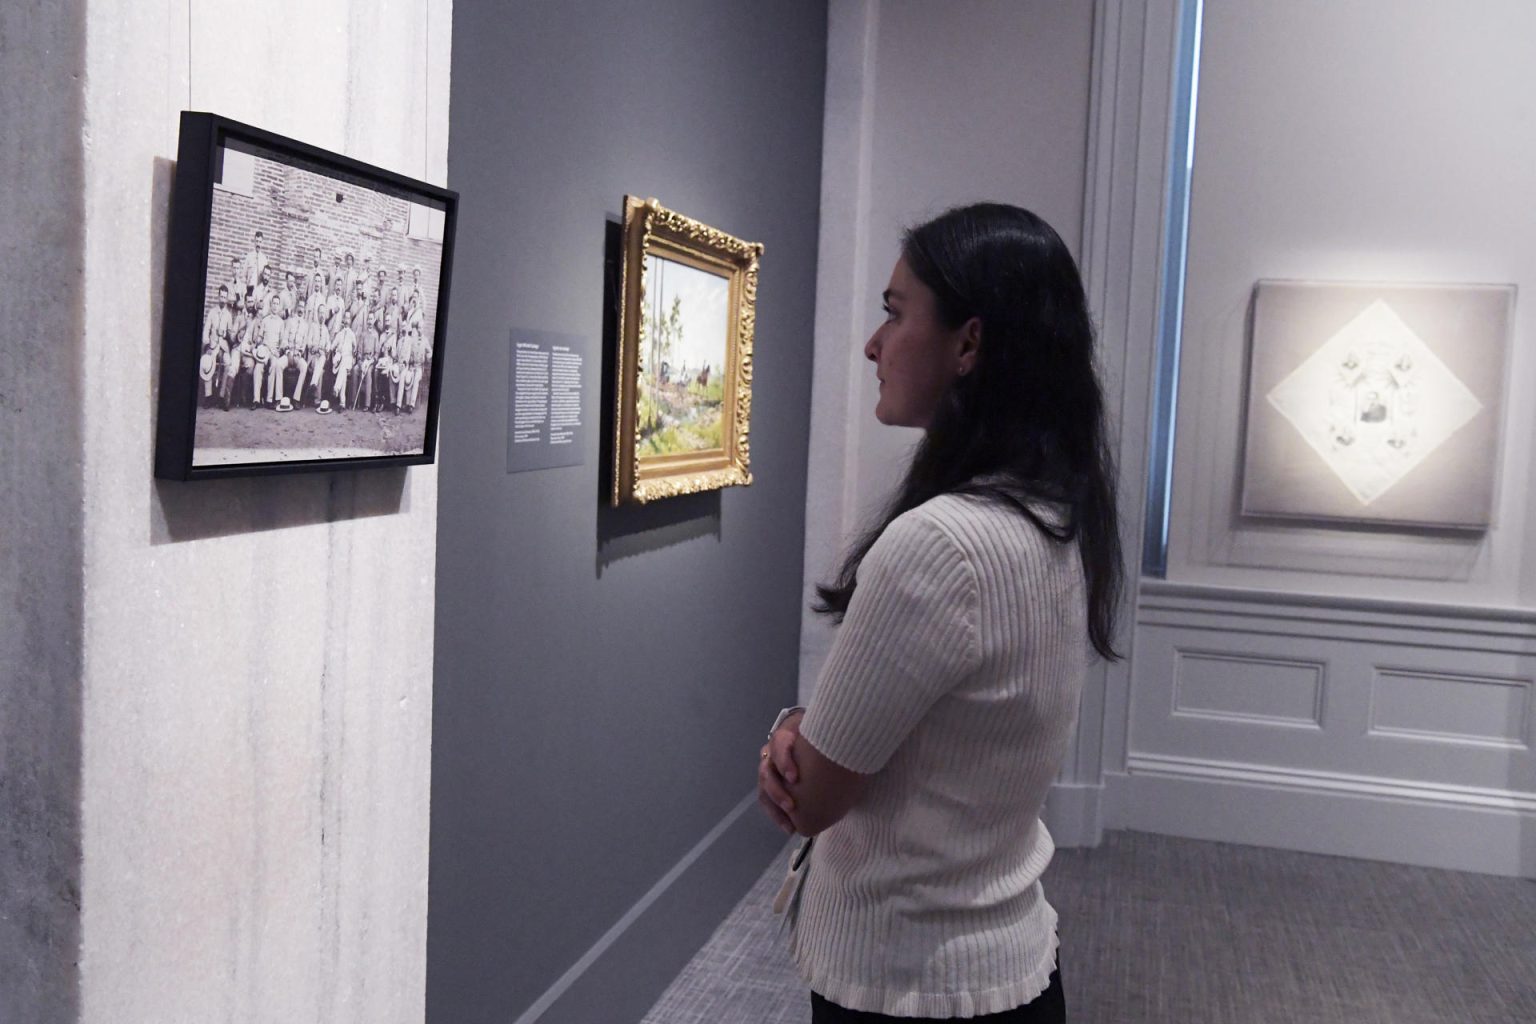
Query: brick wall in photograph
point(298, 211)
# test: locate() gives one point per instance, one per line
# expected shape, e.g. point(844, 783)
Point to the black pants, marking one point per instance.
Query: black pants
point(1049, 1007)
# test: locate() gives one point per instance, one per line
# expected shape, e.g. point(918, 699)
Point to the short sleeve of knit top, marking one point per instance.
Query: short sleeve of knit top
point(909, 636)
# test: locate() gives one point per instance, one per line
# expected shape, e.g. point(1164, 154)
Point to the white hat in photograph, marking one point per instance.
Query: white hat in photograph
point(394, 373)
point(284, 405)
point(205, 366)
point(263, 353)
point(325, 406)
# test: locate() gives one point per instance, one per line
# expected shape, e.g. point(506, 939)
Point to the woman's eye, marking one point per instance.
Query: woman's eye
point(890, 314)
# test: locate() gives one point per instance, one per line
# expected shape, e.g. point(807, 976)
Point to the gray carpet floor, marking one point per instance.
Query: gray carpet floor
point(1157, 929)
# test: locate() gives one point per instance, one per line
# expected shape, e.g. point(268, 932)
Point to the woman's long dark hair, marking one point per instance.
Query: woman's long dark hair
point(1029, 418)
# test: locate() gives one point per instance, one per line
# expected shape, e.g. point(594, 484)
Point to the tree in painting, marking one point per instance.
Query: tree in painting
point(682, 386)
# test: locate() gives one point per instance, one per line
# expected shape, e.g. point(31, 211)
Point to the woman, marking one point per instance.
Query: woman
point(951, 692)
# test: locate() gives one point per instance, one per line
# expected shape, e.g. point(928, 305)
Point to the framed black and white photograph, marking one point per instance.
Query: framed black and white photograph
point(306, 306)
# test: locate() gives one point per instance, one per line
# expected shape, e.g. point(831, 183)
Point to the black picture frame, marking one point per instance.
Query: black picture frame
point(232, 178)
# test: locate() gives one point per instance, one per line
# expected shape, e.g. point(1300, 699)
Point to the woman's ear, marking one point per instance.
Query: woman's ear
point(968, 345)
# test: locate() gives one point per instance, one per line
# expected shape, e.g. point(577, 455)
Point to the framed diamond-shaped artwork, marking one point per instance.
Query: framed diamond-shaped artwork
point(1376, 403)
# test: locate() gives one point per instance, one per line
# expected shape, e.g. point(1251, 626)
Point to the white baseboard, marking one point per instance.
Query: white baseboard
point(1460, 828)
point(1072, 815)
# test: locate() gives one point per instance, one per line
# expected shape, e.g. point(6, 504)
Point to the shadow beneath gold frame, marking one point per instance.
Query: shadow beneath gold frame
point(632, 530)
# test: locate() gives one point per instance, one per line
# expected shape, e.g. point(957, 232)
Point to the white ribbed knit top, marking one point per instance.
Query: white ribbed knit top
point(954, 680)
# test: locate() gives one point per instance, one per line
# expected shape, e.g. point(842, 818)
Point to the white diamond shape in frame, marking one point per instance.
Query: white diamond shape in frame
point(1374, 401)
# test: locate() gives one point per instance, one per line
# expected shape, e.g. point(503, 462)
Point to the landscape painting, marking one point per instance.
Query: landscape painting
point(683, 362)
point(682, 388)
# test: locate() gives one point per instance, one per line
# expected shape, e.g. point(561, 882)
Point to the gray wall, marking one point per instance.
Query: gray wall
point(603, 678)
point(42, 53)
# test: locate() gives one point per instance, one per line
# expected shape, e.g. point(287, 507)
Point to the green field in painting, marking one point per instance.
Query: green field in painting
point(680, 417)
point(680, 407)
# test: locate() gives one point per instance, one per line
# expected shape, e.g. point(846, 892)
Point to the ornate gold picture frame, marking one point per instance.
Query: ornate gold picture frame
point(688, 315)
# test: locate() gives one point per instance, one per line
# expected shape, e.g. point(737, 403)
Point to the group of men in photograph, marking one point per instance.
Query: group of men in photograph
point(334, 339)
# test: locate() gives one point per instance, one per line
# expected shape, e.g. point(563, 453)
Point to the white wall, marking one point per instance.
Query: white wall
point(258, 653)
point(1377, 141)
point(928, 106)
point(1361, 692)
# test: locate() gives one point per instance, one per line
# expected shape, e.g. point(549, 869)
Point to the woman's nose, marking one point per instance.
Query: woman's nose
point(870, 348)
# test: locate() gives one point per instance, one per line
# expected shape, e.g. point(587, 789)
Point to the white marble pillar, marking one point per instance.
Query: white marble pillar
point(42, 47)
point(252, 658)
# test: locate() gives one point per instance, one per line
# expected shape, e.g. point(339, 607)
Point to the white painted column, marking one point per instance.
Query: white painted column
point(928, 107)
point(1123, 222)
point(842, 266)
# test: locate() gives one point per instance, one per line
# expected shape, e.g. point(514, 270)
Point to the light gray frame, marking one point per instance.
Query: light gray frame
point(1465, 328)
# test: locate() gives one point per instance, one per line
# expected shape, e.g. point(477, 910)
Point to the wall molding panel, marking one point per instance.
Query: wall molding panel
point(1371, 620)
point(1373, 728)
point(1502, 705)
point(1214, 676)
